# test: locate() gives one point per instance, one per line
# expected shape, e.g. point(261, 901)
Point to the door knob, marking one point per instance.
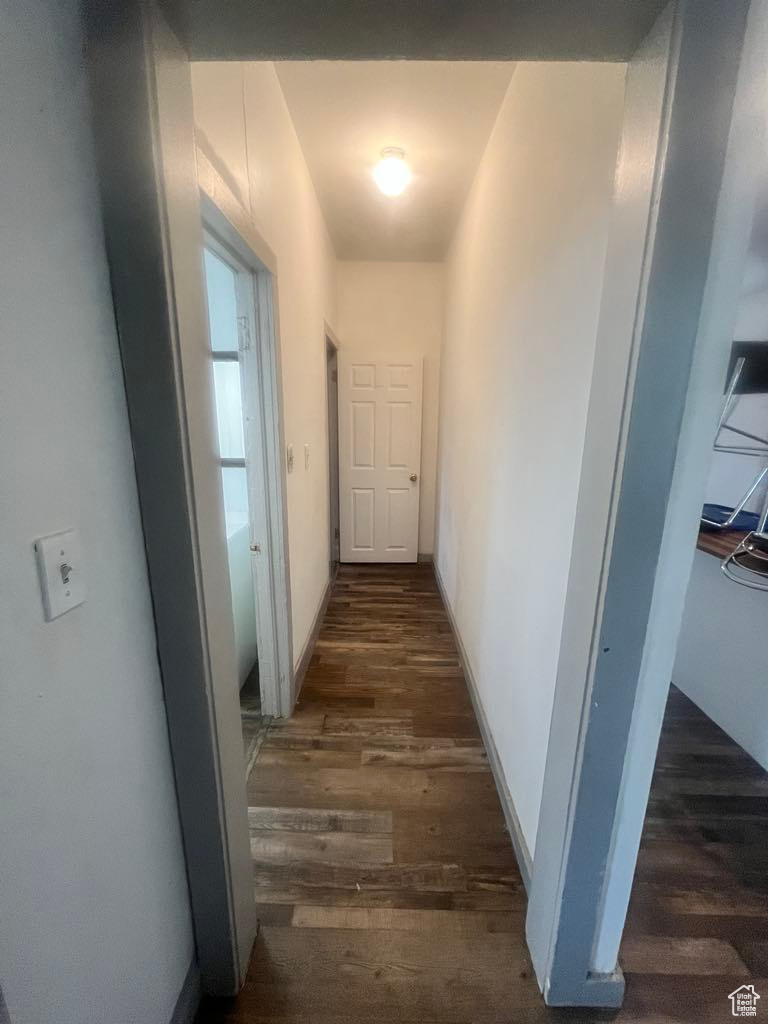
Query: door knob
point(413, 478)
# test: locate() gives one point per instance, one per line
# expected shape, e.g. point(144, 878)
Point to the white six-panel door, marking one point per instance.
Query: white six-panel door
point(379, 458)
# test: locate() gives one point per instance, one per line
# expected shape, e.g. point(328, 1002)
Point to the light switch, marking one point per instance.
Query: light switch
point(289, 458)
point(306, 456)
point(60, 565)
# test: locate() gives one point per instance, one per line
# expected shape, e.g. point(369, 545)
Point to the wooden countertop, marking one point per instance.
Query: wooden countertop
point(719, 543)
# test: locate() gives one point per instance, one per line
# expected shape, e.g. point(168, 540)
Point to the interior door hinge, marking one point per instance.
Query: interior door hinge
point(334, 376)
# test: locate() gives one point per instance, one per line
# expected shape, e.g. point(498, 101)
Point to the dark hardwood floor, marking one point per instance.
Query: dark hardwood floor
point(698, 919)
point(385, 880)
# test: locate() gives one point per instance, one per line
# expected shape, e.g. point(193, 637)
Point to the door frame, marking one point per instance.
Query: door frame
point(334, 522)
point(141, 94)
point(265, 466)
point(645, 486)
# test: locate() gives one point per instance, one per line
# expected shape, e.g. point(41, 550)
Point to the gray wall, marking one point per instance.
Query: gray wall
point(721, 659)
point(730, 475)
point(93, 892)
point(720, 662)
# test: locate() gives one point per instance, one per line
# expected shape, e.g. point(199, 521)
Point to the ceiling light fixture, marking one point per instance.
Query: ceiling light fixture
point(392, 174)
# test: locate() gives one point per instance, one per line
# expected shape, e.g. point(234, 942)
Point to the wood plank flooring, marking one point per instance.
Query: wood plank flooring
point(719, 543)
point(385, 881)
point(698, 920)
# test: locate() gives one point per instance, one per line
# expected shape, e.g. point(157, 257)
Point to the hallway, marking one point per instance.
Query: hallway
point(385, 880)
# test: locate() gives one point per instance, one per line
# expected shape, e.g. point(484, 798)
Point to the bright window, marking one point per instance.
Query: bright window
point(221, 287)
point(221, 281)
point(229, 409)
point(235, 498)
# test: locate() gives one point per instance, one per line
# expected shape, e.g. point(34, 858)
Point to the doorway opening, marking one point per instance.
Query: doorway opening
point(228, 285)
point(700, 881)
point(344, 655)
point(332, 393)
point(380, 454)
point(246, 390)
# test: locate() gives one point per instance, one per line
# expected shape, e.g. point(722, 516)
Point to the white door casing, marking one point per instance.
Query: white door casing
point(144, 131)
point(694, 119)
point(262, 421)
point(379, 457)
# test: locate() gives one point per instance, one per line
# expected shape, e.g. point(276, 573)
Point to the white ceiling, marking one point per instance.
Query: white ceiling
point(440, 112)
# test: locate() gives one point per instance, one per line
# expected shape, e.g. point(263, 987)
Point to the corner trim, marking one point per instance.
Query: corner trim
point(522, 853)
point(189, 998)
point(599, 991)
point(309, 647)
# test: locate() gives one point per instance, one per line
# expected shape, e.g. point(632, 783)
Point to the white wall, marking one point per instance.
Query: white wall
point(93, 893)
point(246, 131)
point(398, 307)
point(522, 289)
point(720, 662)
point(731, 475)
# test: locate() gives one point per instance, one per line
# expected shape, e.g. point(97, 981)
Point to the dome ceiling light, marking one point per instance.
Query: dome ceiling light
point(392, 174)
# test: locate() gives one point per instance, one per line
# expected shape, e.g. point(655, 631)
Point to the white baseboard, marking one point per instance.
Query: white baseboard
point(524, 859)
point(306, 655)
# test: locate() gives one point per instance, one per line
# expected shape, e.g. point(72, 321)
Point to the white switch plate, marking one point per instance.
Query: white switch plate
point(306, 456)
point(60, 564)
